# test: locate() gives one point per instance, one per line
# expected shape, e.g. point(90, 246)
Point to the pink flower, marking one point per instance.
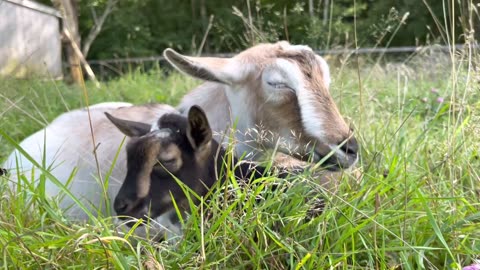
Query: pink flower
point(440, 100)
point(472, 267)
point(434, 91)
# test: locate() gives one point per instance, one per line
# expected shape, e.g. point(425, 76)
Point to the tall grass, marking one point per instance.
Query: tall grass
point(415, 205)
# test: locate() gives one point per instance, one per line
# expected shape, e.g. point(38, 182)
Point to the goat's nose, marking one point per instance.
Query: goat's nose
point(122, 205)
point(350, 147)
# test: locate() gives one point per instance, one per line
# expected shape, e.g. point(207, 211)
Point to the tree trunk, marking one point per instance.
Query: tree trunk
point(203, 17)
point(69, 11)
point(194, 8)
point(310, 8)
point(326, 9)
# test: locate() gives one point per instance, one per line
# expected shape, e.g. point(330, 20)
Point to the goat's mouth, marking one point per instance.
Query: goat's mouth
point(332, 161)
point(329, 162)
point(335, 160)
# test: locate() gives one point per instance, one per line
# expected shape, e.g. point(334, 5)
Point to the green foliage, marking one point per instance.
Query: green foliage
point(147, 27)
point(418, 29)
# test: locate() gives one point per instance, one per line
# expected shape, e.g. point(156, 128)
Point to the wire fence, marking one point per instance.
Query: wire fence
point(107, 68)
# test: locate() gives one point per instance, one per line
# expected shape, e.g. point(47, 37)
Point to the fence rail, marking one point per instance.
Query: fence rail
point(407, 49)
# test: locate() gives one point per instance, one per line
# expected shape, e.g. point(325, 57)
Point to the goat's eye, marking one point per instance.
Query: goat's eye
point(167, 165)
point(279, 85)
point(165, 162)
point(168, 161)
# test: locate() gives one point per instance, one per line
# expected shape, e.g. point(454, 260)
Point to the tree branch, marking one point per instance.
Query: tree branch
point(69, 11)
point(92, 35)
point(94, 15)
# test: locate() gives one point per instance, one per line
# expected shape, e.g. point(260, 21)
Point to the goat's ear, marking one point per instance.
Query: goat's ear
point(214, 69)
point(199, 132)
point(129, 128)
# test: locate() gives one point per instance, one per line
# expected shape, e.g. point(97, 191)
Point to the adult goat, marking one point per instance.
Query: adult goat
point(277, 97)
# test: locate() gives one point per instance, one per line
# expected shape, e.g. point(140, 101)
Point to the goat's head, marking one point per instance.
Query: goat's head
point(284, 89)
point(174, 147)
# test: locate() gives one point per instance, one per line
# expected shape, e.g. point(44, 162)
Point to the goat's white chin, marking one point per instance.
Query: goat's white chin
point(159, 228)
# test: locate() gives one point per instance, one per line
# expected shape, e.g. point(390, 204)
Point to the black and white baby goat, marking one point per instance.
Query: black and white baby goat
point(177, 148)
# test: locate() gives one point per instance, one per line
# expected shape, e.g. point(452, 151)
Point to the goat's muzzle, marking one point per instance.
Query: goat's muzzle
point(341, 156)
point(124, 206)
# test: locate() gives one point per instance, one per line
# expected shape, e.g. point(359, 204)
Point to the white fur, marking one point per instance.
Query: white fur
point(154, 126)
point(277, 79)
point(321, 61)
point(163, 222)
point(109, 105)
point(212, 97)
point(289, 47)
point(240, 113)
point(161, 226)
point(163, 133)
point(235, 71)
point(311, 119)
point(285, 71)
point(325, 70)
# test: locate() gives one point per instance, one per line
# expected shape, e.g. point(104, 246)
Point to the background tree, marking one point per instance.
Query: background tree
point(69, 11)
point(127, 28)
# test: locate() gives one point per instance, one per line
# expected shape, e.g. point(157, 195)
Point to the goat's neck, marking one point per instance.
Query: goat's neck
point(242, 109)
point(211, 97)
point(227, 108)
point(243, 114)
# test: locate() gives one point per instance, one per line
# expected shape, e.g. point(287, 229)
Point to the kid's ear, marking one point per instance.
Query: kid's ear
point(129, 128)
point(199, 133)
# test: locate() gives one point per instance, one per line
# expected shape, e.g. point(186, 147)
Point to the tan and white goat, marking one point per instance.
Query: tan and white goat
point(67, 145)
point(276, 96)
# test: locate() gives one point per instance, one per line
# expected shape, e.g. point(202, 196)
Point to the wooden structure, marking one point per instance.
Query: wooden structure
point(30, 40)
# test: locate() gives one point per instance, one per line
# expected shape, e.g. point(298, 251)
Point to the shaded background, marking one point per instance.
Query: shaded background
point(146, 27)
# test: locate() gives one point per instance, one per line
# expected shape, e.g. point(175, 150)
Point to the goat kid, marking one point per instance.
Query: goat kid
point(278, 97)
point(178, 148)
point(67, 145)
